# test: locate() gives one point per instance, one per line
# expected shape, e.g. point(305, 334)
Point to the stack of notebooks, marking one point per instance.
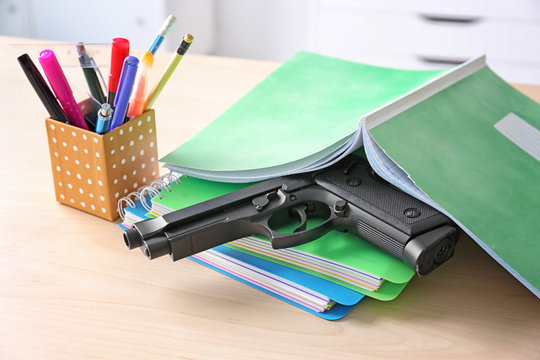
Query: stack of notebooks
point(460, 139)
point(326, 277)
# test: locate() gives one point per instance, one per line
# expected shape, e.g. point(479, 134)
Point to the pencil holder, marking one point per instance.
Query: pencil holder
point(92, 171)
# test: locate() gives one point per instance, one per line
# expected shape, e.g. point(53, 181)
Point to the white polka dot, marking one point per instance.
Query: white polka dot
point(93, 207)
point(54, 140)
point(102, 198)
point(153, 173)
point(73, 133)
point(72, 200)
point(98, 168)
point(70, 186)
point(86, 151)
point(79, 176)
point(60, 183)
point(87, 166)
point(121, 132)
point(83, 204)
point(143, 165)
point(150, 130)
point(77, 162)
point(81, 191)
point(124, 176)
point(135, 185)
point(97, 154)
point(89, 181)
point(55, 154)
point(62, 129)
point(149, 118)
point(100, 183)
point(139, 123)
point(125, 191)
point(68, 172)
point(112, 152)
point(66, 158)
point(151, 144)
point(130, 128)
point(144, 180)
point(62, 196)
point(91, 195)
point(75, 148)
point(64, 144)
point(83, 106)
point(114, 166)
point(141, 137)
point(58, 168)
point(95, 140)
point(133, 158)
point(152, 159)
point(52, 127)
point(131, 143)
point(84, 136)
point(115, 181)
point(142, 152)
point(117, 195)
point(134, 172)
point(111, 138)
point(122, 148)
point(123, 161)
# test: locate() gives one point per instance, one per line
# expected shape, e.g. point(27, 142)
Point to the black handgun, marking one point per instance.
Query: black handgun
point(348, 196)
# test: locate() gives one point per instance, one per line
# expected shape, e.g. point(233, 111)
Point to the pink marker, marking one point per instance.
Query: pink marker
point(61, 88)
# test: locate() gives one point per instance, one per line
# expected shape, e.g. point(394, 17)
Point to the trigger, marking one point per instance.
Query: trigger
point(300, 213)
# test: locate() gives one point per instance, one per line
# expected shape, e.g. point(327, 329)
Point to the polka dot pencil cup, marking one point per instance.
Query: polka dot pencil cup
point(92, 171)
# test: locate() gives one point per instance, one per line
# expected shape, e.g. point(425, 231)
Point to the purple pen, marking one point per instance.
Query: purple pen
point(125, 85)
point(61, 88)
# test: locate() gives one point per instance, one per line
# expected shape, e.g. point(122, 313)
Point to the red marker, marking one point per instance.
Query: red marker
point(120, 50)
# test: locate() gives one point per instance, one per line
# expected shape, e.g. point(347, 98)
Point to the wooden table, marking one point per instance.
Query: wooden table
point(70, 289)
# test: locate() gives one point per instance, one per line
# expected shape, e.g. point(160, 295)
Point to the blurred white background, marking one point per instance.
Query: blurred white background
point(399, 33)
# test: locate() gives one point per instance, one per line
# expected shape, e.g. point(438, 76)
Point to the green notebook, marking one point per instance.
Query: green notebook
point(277, 126)
point(461, 139)
point(473, 148)
point(342, 248)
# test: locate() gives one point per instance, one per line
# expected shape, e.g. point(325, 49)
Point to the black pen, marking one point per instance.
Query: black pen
point(42, 89)
point(90, 74)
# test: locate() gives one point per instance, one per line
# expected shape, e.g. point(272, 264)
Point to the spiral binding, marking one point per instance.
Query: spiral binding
point(154, 188)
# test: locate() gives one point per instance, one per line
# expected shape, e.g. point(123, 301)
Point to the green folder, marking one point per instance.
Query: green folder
point(340, 247)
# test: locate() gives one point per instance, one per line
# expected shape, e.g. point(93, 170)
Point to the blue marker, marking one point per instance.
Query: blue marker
point(104, 118)
point(163, 31)
point(125, 85)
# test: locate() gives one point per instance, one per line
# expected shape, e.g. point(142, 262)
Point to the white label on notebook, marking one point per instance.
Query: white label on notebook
point(521, 133)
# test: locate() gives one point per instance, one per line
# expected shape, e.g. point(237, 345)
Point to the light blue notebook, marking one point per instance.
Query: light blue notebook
point(342, 299)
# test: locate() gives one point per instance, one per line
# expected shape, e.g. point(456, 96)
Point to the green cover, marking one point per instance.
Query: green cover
point(309, 105)
point(340, 247)
point(449, 146)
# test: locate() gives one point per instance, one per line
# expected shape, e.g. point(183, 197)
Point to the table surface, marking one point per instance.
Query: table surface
point(70, 288)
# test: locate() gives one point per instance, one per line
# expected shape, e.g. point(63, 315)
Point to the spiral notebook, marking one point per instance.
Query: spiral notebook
point(310, 293)
point(337, 257)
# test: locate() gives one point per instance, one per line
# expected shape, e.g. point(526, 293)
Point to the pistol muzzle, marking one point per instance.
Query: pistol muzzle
point(132, 238)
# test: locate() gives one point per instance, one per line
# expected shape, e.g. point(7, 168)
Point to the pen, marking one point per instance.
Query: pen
point(61, 88)
point(42, 89)
point(104, 118)
point(125, 85)
point(136, 103)
point(173, 63)
point(90, 74)
point(162, 33)
point(120, 50)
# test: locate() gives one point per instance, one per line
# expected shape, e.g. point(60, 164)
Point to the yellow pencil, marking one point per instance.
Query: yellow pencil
point(173, 63)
